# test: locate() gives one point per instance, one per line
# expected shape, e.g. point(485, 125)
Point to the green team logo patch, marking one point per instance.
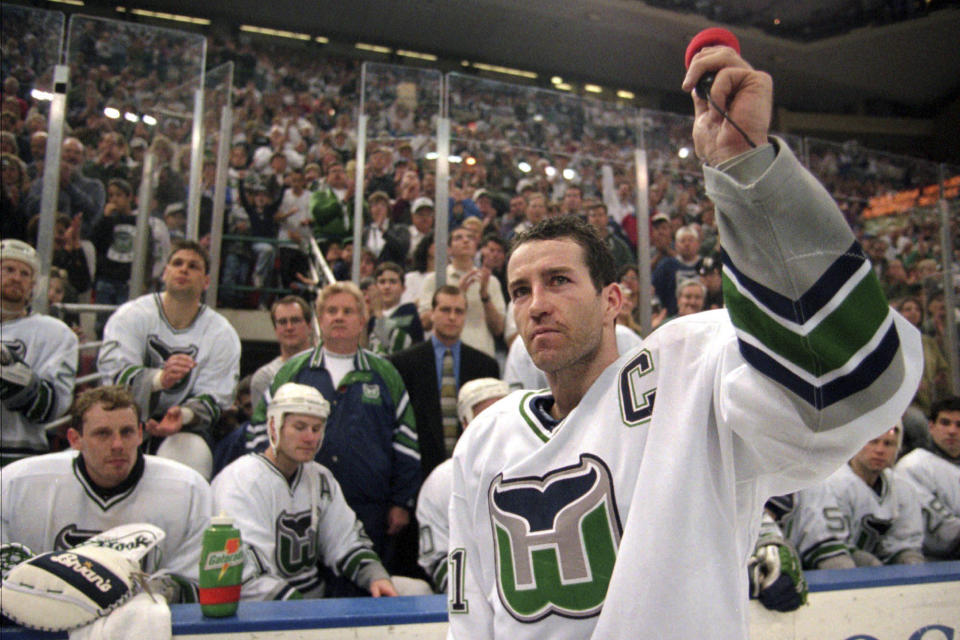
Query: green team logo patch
point(556, 539)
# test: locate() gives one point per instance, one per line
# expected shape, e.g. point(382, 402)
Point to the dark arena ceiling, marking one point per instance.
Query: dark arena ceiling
point(882, 58)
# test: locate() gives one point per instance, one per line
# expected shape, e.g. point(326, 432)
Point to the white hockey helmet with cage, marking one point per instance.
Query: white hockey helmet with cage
point(293, 398)
point(475, 392)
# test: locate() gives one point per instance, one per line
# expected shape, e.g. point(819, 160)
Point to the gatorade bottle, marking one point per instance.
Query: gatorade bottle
point(221, 568)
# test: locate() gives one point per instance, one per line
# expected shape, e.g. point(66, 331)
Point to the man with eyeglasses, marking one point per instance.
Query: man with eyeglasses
point(291, 316)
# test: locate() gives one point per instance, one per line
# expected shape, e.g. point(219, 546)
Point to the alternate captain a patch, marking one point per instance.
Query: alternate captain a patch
point(556, 539)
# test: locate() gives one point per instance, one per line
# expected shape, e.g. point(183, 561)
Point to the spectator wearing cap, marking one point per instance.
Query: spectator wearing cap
point(331, 208)
point(661, 239)
point(710, 276)
point(378, 173)
point(671, 271)
point(421, 215)
point(260, 210)
point(389, 242)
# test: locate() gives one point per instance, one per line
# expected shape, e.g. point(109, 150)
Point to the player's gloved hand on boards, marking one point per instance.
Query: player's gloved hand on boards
point(776, 578)
point(18, 383)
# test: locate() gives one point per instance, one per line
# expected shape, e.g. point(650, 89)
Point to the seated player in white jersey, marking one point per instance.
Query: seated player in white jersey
point(38, 358)
point(875, 516)
point(934, 472)
point(622, 501)
point(434, 499)
point(290, 510)
point(56, 501)
point(180, 358)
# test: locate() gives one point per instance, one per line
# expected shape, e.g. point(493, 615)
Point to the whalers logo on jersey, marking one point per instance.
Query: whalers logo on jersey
point(297, 548)
point(158, 352)
point(17, 348)
point(556, 539)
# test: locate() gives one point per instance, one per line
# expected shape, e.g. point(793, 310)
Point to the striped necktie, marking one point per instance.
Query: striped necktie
point(448, 403)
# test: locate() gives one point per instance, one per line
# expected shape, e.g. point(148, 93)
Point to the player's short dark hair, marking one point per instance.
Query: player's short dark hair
point(388, 266)
point(110, 397)
point(183, 244)
point(950, 403)
point(596, 255)
point(291, 299)
point(447, 290)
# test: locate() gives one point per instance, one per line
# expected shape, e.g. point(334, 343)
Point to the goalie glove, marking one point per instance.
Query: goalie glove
point(776, 577)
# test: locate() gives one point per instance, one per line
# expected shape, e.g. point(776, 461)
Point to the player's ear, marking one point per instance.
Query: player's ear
point(74, 437)
point(613, 298)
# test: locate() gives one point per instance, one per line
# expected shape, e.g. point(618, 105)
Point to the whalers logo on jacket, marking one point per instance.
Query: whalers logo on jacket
point(556, 540)
point(159, 351)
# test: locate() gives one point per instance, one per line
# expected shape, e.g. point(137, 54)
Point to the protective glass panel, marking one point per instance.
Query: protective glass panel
point(32, 41)
point(401, 106)
point(136, 81)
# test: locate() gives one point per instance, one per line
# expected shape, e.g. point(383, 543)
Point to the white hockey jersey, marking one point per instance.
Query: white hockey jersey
point(634, 516)
point(937, 482)
point(293, 527)
point(49, 348)
point(815, 526)
point(138, 339)
point(49, 504)
point(883, 524)
point(432, 504)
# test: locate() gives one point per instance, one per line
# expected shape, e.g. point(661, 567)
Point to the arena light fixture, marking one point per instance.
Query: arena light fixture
point(131, 117)
point(454, 159)
point(551, 171)
point(569, 174)
point(524, 166)
point(39, 94)
point(430, 155)
point(593, 88)
point(376, 48)
point(416, 54)
point(563, 86)
point(321, 40)
point(470, 161)
point(111, 113)
point(175, 17)
point(626, 95)
point(149, 120)
point(75, 3)
point(277, 33)
point(684, 152)
point(556, 80)
point(495, 68)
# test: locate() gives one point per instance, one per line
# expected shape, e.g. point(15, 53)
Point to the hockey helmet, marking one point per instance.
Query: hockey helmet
point(476, 391)
point(13, 249)
point(293, 398)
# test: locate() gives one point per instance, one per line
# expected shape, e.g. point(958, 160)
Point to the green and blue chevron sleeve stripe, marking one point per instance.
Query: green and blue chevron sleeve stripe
point(824, 346)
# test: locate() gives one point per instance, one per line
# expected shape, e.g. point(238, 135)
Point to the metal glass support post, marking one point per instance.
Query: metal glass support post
point(196, 165)
point(358, 198)
point(441, 221)
point(643, 239)
point(51, 183)
point(949, 277)
point(219, 202)
point(138, 277)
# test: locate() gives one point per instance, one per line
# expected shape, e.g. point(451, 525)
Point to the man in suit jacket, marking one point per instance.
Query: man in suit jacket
point(420, 366)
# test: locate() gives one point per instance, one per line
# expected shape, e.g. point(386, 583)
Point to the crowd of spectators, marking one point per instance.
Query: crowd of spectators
point(521, 154)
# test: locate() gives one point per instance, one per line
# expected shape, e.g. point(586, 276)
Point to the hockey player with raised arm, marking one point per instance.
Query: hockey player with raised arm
point(180, 358)
point(622, 502)
point(38, 358)
point(290, 510)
